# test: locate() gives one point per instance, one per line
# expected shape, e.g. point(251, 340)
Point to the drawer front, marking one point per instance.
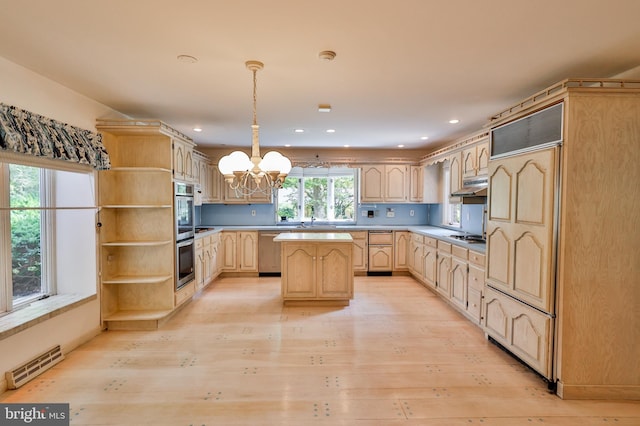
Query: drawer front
point(359, 235)
point(418, 238)
point(381, 238)
point(445, 247)
point(199, 243)
point(476, 277)
point(523, 330)
point(459, 252)
point(476, 258)
point(474, 304)
point(431, 242)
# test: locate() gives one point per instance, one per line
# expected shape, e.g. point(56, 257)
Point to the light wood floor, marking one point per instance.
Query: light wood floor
point(235, 356)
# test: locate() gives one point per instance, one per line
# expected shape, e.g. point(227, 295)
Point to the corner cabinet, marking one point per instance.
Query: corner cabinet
point(136, 232)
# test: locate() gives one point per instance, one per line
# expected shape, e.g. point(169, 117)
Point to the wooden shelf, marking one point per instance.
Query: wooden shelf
point(140, 169)
point(142, 315)
point(137, 206)
point(137, 279)
point(137, 243)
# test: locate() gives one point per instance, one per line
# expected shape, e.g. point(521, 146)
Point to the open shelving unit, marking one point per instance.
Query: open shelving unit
point(137, 242)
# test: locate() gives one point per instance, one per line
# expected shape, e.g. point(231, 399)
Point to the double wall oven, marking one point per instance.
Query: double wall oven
point(184, 232)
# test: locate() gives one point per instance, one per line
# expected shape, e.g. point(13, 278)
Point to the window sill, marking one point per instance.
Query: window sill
point(40, 311)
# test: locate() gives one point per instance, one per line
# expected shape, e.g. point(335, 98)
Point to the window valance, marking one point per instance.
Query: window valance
point(31, 134)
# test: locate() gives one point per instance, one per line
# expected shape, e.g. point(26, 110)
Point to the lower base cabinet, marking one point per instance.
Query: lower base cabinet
point(521, 329)
point(317, 271)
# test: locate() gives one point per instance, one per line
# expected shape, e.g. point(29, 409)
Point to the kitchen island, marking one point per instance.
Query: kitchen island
point(317, 267)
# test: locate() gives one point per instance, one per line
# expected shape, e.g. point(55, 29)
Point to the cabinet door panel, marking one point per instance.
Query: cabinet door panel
point(396, 182)
point(300, 271)
point(334, 271)
point(459, 283)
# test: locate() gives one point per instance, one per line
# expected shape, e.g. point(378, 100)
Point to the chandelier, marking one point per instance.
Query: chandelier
point(256, 174)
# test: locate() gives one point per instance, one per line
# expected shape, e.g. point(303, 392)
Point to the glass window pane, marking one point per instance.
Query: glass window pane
point(288, 199)
point(315, 198)
point(343, 198)
point(25, 231)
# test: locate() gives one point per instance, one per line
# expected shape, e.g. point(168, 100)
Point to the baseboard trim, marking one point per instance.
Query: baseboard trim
point(601, 392)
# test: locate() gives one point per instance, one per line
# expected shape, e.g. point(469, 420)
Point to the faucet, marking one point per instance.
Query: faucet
point(313, 210)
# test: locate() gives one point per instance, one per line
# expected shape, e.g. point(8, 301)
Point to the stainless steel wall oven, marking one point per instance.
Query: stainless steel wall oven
point(184, 232)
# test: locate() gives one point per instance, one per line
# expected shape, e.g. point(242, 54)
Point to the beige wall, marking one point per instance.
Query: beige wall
point(32, 92)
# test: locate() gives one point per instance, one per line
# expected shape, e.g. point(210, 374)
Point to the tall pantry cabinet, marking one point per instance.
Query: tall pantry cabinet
point(592, 258)
point(137, 243)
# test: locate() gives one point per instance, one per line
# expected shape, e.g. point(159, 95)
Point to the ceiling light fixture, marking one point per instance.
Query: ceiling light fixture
point(327, 55)
point(400, 146)
point(256, 174)
point(188, 59)
point(299, 130)
point(324, 108)
point(454, 121)
point(197, 129)
point(331, 130)
point(424, 138)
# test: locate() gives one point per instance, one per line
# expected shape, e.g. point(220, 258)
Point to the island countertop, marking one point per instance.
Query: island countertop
point(329, 237)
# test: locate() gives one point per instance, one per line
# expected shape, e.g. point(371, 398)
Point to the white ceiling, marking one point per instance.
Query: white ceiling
point(403, 68)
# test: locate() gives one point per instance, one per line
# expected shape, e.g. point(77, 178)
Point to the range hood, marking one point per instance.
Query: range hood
point(472, 188)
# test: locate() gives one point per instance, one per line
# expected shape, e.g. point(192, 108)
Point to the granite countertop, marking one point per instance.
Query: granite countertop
point(332, 237)
point(443, 234)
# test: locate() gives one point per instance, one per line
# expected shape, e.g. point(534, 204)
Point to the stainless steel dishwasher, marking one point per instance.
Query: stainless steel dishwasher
point(268, 254)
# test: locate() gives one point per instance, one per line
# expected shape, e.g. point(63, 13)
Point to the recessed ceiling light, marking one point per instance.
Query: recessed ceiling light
point(299, 130)
point(197, 129)
point(287, 145)
point(424, 138)
point(346, 146)
point(324, 108)
point(400, 146)
point(187, 59)
point(331, 130)
point(327, 55)
point(454, 121)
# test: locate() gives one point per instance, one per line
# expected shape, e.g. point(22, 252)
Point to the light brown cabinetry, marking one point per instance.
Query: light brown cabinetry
point(520, 226)
point(380, 251)
point(239, 251)
point(360, 251)
point(401, 240)
point(257, 197)
point(459, 277)
point(475, 160)
point(207, 266)
point(595, 348)
point(316, 271)
point(416, 185)
point(384, 183)
point(443, 271)
point(183, 163)
point(430, 261)
point(137, 246)
point(416, 247)
point(455, 176)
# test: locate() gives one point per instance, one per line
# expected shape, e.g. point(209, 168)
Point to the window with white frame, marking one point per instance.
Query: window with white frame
point(47, 233)
point(451, 212)
point(323, 194)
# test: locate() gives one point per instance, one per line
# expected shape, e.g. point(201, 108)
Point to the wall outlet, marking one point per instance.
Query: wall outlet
point(391, 214)
point(253, 212)
point(412, 212)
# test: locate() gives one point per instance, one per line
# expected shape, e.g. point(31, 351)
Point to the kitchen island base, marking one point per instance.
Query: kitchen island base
point(317, 268)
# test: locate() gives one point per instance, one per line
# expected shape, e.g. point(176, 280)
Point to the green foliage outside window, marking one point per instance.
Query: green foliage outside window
point(25, 230)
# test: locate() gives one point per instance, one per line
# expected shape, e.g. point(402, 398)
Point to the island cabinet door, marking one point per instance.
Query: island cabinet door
point(298, 271)
point(335, 271)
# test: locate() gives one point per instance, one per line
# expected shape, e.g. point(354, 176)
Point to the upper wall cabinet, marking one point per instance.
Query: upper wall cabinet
point(475, 160)
point(183, 163)
point(385, 183)
point(455, 176)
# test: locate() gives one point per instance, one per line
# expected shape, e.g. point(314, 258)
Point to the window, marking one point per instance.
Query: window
point(47, 234)
point(326, 195)
point(451, 212)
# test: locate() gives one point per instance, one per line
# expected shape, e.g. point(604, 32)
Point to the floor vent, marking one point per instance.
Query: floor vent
point(30, 369)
